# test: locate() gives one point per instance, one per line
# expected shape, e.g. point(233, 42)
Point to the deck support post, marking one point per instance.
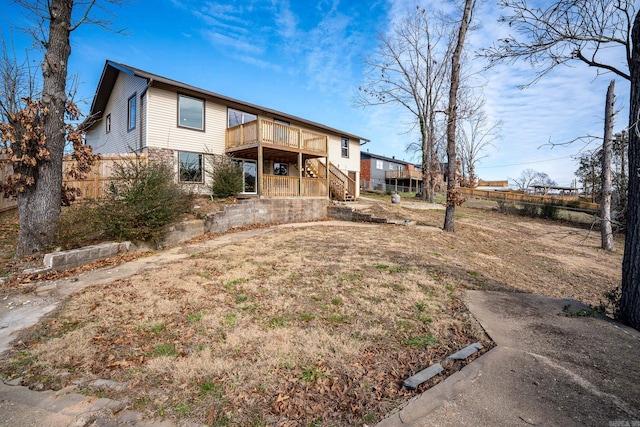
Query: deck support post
point(299, 174)
point(260, 170)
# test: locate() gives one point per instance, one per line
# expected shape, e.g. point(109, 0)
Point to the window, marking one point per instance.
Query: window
point(190, 167)
point(379, 165)
point(345, 147)
point(107, 123)
point(392, 167)
point(280, 169)
point(237, 117)
point(131, 113)
point(190, 112)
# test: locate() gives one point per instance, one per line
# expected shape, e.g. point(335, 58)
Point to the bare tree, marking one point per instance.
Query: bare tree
point(586, 31)
point(527, 178)
point(17, 82)
point(565, 31)
point(607, 188)
point(453, 196)
point(409, 69)
point(36, 134)
point(476, 135)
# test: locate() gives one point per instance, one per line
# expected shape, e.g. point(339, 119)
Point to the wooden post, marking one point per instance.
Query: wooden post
point(299, 174)
point(260, 160)
point(326, 170)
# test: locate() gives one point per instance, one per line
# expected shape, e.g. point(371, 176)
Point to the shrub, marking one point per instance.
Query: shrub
point(550, 211)
point(529, 209)
point(506, 207)
point(226, 176)
point(79, 225)
point(141, 201)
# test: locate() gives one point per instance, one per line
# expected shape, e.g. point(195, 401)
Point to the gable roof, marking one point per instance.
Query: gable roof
point(112, 69)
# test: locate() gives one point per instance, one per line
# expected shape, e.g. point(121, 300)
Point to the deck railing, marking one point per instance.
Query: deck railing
point(403, 174)
point(291, 186)
point(314, 187)
point(275, 134)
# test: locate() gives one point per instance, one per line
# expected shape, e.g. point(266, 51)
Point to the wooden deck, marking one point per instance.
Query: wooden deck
point(404, 174)
point(270, 134)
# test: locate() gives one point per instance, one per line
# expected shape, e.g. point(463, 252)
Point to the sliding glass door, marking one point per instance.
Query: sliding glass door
point(249, 176)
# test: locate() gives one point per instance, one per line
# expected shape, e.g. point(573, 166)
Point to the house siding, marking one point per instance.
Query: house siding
point(164, 131)
point(120, 139)
point(346, 165)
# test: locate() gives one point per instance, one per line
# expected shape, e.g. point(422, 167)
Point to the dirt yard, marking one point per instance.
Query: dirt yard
point(305, 326)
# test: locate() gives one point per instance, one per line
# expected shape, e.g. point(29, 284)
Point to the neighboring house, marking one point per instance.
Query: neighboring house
point(281, 155)
point(388, 173)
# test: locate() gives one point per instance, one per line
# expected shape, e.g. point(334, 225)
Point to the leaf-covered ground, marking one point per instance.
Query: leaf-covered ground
point(305, 326)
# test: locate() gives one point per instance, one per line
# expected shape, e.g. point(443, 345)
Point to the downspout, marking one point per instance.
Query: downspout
point(143, 111)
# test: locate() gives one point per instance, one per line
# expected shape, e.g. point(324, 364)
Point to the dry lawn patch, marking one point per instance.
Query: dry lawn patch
point(306, 326)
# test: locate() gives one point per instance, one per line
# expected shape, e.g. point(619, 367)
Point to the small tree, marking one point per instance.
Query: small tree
point(475, 136)
point(225, 174)
point(141, 201)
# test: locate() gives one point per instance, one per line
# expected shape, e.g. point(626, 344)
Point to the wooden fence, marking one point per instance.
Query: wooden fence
point(520, 197)
point(6, 169)
point(95, 184)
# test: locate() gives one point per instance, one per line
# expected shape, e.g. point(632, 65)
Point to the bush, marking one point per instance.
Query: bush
point(506, 207)
point(226, 176)
point(550, 211)
point(529, 209)
point(79, 225)
point(142, 200)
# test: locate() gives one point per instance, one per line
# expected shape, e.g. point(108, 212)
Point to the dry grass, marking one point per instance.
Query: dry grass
point(308, 326)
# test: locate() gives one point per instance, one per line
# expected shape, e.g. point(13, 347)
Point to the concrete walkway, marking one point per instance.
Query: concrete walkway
point(552, 366)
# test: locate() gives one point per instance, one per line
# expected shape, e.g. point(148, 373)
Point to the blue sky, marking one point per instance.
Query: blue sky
point(304, 58)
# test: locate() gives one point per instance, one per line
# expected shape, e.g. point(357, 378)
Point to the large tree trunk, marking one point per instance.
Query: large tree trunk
point(39, 205)
point(607, 145)
point(452, 191)
point(629, 312)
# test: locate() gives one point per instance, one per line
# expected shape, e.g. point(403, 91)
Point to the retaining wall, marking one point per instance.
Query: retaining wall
point(245, 213)
point(347, 213)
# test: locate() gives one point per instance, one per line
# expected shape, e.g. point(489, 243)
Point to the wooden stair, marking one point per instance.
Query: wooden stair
point(338, 180)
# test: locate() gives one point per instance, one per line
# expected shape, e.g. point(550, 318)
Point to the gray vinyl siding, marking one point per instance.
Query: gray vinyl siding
point(120, 139)
point(163, 130)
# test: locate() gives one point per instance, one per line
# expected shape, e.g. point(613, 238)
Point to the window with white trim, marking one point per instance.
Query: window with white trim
point(131, 112)
point(345, 147)
point(107, 123)
point(379, 164)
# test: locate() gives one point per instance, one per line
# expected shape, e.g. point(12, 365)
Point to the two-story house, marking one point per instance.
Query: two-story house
point(281, 155)
point(388, 173)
